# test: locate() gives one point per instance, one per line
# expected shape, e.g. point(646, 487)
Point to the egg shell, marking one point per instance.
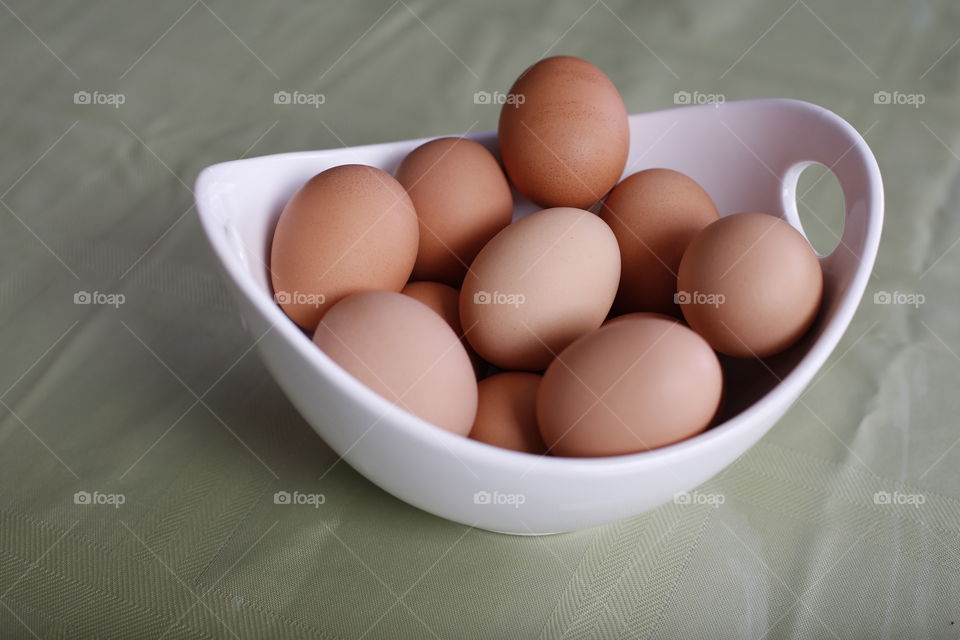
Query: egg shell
point(404, 351)
point(462, 199)
point(538, 285)
point(751, 285)
point(507, 412)
point(564, 135)
point(350, 228)
point(445, 301)
point(636, 384)
point(638, 314)
point(655, 214)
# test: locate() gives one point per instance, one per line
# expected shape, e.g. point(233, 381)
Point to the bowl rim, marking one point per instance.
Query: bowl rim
point(778, 399)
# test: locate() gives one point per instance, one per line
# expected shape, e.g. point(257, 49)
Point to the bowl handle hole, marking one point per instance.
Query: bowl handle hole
point(813, 203)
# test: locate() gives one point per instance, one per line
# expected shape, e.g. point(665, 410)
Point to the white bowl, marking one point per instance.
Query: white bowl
point(748, 155)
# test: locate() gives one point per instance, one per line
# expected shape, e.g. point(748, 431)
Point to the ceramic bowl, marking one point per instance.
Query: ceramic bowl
point(748, 155)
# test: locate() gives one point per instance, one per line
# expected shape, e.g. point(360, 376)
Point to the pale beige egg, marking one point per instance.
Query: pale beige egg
point(750, 284)
point(404, 351)
point(641, 382)
point(445, 301)
point(538, 285)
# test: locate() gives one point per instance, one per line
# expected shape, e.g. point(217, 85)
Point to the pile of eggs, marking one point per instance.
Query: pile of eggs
point(592, 325)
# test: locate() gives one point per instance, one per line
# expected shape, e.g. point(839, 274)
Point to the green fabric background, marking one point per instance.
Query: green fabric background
point(161, 400)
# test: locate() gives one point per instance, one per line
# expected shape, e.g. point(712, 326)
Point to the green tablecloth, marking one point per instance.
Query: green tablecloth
point(843, 522)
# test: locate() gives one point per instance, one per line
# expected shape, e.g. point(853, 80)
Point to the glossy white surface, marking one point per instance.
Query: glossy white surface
point(748, 155)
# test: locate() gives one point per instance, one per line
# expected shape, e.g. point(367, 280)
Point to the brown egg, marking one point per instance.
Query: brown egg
point(507, 412)
point(538, 285)
point(633, 385)
point(405, 352)
point(444, 300)
point(563, 133)
point(462, 200)
point(750, 284)
point(351, 228)
point(654, 214)
point(638, 314)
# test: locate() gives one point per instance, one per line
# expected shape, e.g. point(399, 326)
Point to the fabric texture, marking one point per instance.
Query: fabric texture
point(142, 441)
